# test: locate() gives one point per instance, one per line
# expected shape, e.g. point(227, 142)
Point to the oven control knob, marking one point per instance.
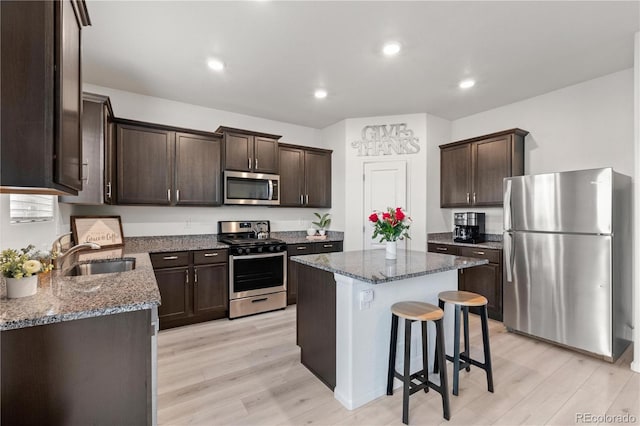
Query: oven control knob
point(280, 248)
point(273, 248)
point(259, 249)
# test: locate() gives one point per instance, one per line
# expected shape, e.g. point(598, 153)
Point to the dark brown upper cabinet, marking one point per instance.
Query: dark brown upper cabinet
point(472, 170)
point(97, 151)
point(41, 103)
point(305, 176)
point(159, 165)
point(249, 151)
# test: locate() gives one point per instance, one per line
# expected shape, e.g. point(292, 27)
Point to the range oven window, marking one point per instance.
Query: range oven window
point(247, 189)
point(257, 273)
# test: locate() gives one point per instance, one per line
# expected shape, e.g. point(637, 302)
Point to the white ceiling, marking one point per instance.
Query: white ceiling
point(278, 53)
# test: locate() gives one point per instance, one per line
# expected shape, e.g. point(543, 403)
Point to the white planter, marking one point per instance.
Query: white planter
point(22, 287)
point(311, 232)
point(391, 250)
point(322, 231)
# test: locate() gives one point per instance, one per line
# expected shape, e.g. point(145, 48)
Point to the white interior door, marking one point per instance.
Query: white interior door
point(385, 185)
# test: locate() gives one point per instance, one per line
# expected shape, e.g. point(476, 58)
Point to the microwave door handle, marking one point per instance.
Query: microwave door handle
point(270, 196)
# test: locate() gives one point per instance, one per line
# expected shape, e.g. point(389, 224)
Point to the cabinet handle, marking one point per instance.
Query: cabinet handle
point(186, 276)
point(169, 194)
point(302, 248)
point(177, 195)
point(307, 199)
point(264, 299)
point(195, 276)
point(170, 258)
point(109, 191)
point(478, 252)
point(301, 199)
point(467, 198)
point(327, 245)
point(256, 161)
point(85, 176)
point(442, 248)
point(249, 162)
point(474, 198)
point(210, 254)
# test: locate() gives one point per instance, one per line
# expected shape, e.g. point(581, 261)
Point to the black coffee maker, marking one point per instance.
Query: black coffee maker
point(468, 227)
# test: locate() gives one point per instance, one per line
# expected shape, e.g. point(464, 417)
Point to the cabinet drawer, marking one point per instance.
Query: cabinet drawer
point(328, 246)
point(299, 249)
point(442, 248)
point(169, 259)
point(204, 257)
point(492, 256)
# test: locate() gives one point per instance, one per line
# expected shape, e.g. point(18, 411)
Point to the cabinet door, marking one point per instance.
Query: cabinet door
point(210, 288)
point(265, 155)
point(487, 281)
point(491, 164)
point(145, 165)
point(109, 159)
point(442, 248)
point(328, 246)
point(198, 170)
point(238, 152)
point(317, 173)
point(291, 176)
point(292, 277)
point(173, 284)
point(68, 140)
point(455, 176)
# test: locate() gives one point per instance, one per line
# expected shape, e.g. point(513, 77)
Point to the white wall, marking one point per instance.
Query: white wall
point(355, 216)
point(333, 137)
point(143, 221)
point(588, 125)
point(635, 365)
point(438, 133)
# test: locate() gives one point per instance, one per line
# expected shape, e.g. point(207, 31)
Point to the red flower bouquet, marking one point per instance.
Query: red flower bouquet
point(391, 225)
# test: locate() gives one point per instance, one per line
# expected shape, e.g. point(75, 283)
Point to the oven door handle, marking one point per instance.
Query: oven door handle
point(257, 256)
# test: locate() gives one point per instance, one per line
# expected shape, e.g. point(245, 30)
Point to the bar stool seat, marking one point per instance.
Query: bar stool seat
point(423, 312)
point(463, 300)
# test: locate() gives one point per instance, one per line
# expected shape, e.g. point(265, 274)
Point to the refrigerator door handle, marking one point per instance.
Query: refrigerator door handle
point(508, 252)
point(507, 206)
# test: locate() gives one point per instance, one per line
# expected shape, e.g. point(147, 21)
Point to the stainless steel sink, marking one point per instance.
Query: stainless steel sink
point(103, 266)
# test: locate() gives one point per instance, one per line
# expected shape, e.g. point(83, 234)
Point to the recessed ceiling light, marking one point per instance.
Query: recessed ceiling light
point(391, 48)
point(466, 84)
point(216, 64)
point(320, 94)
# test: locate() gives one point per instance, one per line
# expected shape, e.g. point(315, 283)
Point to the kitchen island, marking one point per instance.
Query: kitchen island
point(81, 350)
point(344, 317)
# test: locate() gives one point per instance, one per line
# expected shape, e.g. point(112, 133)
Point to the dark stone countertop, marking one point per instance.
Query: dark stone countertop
point(371, 266)
point(300, 237)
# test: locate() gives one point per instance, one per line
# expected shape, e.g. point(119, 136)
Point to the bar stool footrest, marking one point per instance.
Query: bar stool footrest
point(465, 362)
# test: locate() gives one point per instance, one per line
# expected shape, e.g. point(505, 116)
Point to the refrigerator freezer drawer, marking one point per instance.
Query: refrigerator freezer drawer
point(559, 288)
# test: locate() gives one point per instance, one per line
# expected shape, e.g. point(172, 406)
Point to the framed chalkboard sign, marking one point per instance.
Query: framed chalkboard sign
point(103, 230)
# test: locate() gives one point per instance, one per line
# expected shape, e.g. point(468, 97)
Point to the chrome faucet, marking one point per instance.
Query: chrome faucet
point(59, 261)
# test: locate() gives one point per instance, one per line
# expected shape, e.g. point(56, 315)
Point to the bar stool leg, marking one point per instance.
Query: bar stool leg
point(407, 374)
point(487, 351)
point(392, 354)
point(456, 350)
point(465, 313)
point(440, 355)
point(425, 355)
point(435, 361)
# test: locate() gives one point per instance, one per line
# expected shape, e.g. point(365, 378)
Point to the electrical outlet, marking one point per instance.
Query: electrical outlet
point(366, 297)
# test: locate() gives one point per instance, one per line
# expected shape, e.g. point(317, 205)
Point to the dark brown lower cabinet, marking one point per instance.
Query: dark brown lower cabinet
point(484, 279)
point(316, 322)
point(301, 249)
point(93, 371)
point(193, 286)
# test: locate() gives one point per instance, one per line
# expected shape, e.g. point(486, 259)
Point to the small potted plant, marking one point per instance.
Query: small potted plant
point(323, 222)
point(20, 269)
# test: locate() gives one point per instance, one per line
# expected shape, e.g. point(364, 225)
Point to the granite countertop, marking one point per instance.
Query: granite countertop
point(60, 298)
point(494, 241)
point(371, 266)
point(300, 237)
point(172, 243)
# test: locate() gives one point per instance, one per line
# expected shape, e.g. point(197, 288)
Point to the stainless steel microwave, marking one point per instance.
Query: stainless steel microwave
point(251, 188)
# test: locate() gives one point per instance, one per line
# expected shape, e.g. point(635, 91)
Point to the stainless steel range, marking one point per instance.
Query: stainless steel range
point(257, 267)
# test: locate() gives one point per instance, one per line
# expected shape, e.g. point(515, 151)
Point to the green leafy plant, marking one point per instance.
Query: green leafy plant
point(24, 262)
point(323, 220)
point(391, 225)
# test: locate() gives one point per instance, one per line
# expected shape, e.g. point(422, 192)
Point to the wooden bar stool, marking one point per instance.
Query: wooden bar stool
point(463, 300)
point(423, 312)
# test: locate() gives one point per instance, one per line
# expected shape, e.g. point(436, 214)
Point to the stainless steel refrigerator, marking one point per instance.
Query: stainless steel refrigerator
point(567, 259)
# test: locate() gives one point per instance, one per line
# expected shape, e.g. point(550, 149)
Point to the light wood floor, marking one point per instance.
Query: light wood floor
point(247, 372)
